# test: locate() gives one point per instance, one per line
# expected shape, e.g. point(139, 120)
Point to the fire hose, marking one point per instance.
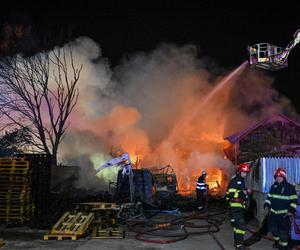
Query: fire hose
point(213, 220)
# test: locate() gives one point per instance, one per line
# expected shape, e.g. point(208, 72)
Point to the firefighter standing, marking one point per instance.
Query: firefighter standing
point(280, 204)
point(201, 190)
point(237, 196)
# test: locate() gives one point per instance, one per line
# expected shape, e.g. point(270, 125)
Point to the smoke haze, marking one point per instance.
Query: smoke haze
point(135, 106)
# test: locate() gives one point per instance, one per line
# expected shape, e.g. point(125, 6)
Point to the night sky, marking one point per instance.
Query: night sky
point(220, 32)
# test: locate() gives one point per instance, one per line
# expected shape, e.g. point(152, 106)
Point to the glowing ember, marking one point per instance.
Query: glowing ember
point(215, 181)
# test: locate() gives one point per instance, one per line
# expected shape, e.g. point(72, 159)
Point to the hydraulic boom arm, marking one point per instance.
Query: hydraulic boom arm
point(284, 55)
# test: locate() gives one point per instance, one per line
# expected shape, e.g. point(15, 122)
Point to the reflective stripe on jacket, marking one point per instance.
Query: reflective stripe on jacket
point(282, 198)
point(201, 185)
point(235, 194)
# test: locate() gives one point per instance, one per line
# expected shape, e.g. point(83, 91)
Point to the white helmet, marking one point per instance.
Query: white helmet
point(203, 172)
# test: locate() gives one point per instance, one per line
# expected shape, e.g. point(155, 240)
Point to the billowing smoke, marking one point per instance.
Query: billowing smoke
point(152, 106)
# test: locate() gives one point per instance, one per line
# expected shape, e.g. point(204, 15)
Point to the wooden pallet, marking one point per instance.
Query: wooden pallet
point(14, 198)
point(60, 237)
point(11, 203)
point(18, 219)
point(15, 216)
point(107, 233)
point(5, 184)
point(12, 191)
point(16, 190)
point(18, 208)
point(13, 161)
point(14, 171)
point(14, 167)
point(14, 178)
point(16, 159)
point(14, 186)
point(71, 225)
point(20, 215)
point(105, 221)
point(99, 205)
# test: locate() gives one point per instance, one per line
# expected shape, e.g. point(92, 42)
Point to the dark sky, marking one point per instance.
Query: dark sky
point(221, 32)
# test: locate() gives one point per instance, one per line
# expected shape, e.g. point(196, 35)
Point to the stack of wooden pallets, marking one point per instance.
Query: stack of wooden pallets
point(105, 225)
point(100, 232)
point(107, 231)
point(70, 226)
point(15, 190)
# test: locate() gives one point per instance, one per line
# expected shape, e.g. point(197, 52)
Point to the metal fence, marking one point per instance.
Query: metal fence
point(268, 166)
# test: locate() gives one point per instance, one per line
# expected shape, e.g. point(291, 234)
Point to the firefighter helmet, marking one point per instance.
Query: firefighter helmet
point(280, 172)
point(243, 167)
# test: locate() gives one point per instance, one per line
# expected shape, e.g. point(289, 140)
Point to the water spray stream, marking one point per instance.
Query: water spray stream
point(189, 116)
point(224, 82)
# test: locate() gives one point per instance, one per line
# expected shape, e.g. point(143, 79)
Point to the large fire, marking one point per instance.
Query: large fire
point(165, 108)
point(215, 179)
point(183, 151)
point(191, 142)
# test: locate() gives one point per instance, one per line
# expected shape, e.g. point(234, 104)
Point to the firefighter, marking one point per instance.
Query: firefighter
point(201, 190)
point(280, 205)
point(237, 196)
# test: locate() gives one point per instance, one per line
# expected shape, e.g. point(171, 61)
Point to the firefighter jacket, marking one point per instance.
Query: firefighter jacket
point(236, 193)
point(201, 184)
point(282, 198)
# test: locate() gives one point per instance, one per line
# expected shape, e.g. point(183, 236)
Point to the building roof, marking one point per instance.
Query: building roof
point(274, 118)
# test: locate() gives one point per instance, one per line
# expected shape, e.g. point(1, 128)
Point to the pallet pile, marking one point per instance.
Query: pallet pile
point(107, 228)
point(70, 226)
point(16, 203)
point(40, 179)
point(105, 225)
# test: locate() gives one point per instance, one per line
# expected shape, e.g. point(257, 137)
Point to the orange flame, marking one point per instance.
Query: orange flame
point(187, 133)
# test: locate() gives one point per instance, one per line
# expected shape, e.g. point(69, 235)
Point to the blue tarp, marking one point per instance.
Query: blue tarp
point(269, 164)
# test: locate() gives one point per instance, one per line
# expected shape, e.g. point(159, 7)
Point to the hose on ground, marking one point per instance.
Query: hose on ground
point(186, 224)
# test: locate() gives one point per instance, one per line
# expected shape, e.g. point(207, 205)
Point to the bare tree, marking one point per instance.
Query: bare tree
point(39, 93)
